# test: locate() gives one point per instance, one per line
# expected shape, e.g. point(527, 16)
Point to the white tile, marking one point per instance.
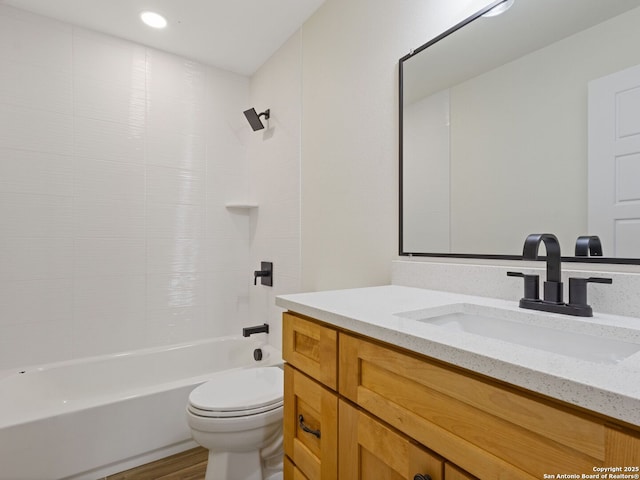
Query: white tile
point(227, 94)
point(283, 170)
point(283, 252)
point(109, 256)
point(102, 100)
point(36, 87)
point(230, 224)
point(25, 215)
point(228, 298)
point(109, 59)
point(278, 220)
point(173, 76)
point(175, 186)
point(108, 297)
point(224, 187)
point(227, 252)
point(226, 156)
point(227, 128)
point(175, 255)
point(34, 343)
point(36, 130)
point(23, 171)
point(175, 221)
point(98, 180)
point(170, 114)
point(109, 218)
point(34, 39)
point(35, 258)
point(36, 301)
point(176, 325)
point(175, 150)
point(175, 290)
point(106, 332)
point(102, 140)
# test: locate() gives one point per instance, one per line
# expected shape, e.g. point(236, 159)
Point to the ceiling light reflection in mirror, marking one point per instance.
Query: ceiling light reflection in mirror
point(153, 19)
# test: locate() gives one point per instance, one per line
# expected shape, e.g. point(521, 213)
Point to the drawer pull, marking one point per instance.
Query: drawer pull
point(304, 428)
point(419, 476)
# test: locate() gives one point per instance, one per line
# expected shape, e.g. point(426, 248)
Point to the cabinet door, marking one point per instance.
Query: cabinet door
point(370, 450)
point(311, 348)
point(310, 425)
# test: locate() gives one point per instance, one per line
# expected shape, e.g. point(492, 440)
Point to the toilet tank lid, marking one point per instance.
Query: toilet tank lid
point(238, 390)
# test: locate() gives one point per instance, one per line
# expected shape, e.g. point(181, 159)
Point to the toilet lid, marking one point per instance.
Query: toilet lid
point(240, 390)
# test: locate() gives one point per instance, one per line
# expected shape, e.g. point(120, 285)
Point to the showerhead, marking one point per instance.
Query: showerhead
point(254, 118)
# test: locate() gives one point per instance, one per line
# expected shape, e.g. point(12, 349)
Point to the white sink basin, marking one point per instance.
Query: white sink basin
point(573, 344)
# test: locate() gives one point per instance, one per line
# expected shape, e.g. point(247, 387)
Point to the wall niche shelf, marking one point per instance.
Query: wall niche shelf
point(241, 205)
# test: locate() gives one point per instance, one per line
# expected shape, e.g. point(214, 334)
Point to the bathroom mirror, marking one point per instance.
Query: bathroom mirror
point(495, 136)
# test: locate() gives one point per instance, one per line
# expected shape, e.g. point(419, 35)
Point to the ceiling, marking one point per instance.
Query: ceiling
point(236, 35)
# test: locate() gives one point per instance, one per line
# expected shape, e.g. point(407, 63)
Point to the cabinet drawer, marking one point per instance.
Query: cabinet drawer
point(291, 472)
point(487, 429)
point(371, 450)
point(310, 425)
point(451, 472)
point(310, 347)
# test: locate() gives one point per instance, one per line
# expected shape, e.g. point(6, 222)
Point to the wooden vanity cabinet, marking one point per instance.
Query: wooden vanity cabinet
point(395, 414)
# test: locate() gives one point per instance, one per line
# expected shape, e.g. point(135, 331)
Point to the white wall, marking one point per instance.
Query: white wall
point(350, 52)
point(115, 163)
point(426, 190)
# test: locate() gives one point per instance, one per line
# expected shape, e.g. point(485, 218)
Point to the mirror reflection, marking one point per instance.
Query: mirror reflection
point(524, 122)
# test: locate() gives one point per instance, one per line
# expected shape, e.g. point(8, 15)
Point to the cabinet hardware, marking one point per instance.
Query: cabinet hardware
point(304, 428)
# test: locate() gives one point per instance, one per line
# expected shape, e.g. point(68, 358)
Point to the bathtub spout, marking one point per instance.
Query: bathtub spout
point(248, 331)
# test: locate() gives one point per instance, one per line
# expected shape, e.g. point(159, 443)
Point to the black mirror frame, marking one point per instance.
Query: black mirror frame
point(401, 252)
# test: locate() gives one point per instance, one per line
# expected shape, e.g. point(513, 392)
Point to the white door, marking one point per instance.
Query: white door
point(614, 162)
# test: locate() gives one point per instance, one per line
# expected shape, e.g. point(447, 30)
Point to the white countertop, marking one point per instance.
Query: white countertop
point(611, 389)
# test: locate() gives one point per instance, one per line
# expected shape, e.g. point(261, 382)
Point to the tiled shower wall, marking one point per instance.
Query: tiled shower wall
point(116, 161)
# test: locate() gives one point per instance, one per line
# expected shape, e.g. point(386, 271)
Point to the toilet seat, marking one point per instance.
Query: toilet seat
point(239, 393)
point(233, 414)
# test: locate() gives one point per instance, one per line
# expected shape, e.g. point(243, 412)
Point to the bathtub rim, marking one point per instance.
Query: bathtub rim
point(273, 359)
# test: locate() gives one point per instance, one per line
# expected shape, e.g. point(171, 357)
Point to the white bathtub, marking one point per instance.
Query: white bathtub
point(87, 418)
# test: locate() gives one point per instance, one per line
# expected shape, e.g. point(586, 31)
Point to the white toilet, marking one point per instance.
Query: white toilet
point(238, 416)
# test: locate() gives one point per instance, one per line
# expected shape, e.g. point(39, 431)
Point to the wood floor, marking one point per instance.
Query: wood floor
point(189, 465)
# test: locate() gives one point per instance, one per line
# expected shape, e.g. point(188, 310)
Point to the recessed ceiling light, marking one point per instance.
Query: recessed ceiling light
point(153, 19)
point(499, 9)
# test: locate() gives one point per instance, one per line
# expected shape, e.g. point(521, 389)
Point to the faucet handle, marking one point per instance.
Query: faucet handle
point(531, 285)
point(265, 273)
point(588, 244)
point(578, 288)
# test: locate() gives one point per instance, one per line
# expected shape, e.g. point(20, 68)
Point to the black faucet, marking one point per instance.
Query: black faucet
point(248, 331)
point(553, 285)
point(553, 295)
